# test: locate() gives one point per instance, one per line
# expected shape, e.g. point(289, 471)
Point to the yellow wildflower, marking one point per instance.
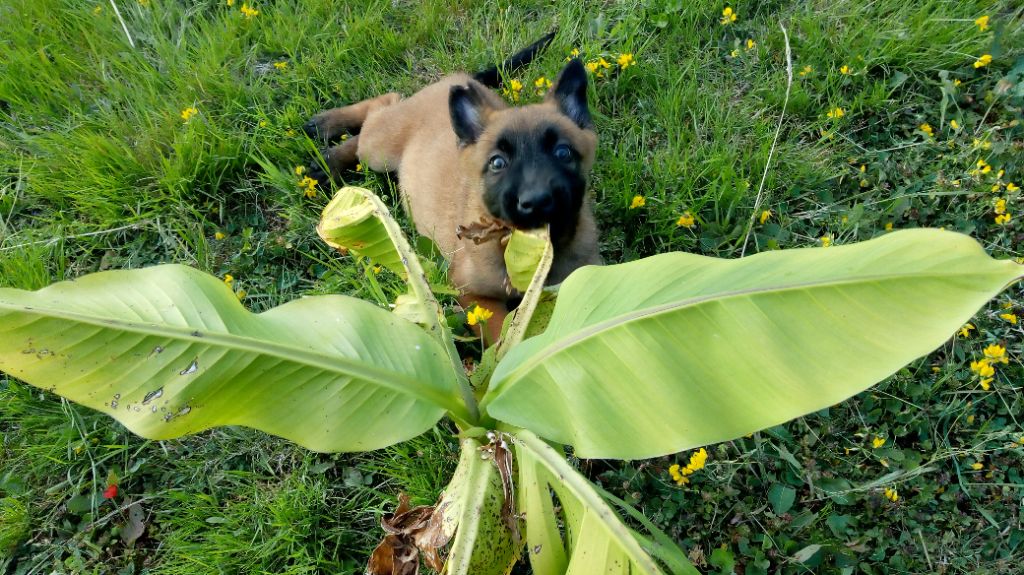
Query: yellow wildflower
point(309, 185)
point(983, 368)
point(982, 23)
point(1010, 317)
point(231, 3)
point(1011, 187)
point(765, 216)
point(970, 418)
point(957, 82)
point(728, 16)
point(574, 53)
point(97, 9)
point(734, 54)
point(806, 70)
point(299, 170)
point(638, 202)
point(977, 466)
point(1000, 206)
point(751, 44)
point(187, 113)
point(996, 353)
point(927, 129)
point(263, 124)
point(625, 60)
point(478, 314)
point(983, 166)
point(542, 85)
point(281, 65)
point(229, 279)
point(219, 236)
point(359, 167)
point(986, 383)
point(891, 494)
point(888, 226)
point(844, 70)
point(1004, 219)
point(686, 220)
point(954, 124)
point(677, 476)
point(249, 12)
point(240, 294)
point(591, 67)
point(983, 61)
point(836, 112)
point(697, 461)
point(513, 90)
point(377, 270)
point(826, 241)
point(966, 330)
point(996, 187)
point(877, 442)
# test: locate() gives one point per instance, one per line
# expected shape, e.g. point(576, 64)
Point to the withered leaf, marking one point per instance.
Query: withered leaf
point(485, 230)
point(411, 531)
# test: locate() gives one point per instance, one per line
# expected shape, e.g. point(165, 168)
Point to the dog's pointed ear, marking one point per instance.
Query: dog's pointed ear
point(570, 94)
point(466, 106)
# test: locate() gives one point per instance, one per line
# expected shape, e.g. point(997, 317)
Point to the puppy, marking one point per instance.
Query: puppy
point(462, 155)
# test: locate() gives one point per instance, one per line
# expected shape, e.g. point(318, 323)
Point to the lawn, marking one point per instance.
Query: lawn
point(169, 131)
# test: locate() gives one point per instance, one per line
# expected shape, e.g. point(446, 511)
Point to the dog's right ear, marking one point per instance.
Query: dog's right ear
point(466, 106)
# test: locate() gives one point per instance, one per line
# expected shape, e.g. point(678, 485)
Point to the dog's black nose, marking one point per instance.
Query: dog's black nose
point(535, 203)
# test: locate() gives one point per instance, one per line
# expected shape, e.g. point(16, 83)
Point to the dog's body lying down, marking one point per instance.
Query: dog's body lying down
point(462, 154)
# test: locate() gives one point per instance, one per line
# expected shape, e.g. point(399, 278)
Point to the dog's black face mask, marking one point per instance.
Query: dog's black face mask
point(532, 173)
point(534, 177)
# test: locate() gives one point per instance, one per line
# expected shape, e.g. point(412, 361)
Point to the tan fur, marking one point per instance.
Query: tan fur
point(442, 184)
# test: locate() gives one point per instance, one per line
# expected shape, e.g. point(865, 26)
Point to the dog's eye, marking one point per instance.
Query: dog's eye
point(563, 153)
point(497, 163)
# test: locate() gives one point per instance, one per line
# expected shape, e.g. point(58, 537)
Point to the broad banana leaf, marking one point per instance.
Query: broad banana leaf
point(678, 350)
point(594, 540)
point(169, 351)
point(357, 220)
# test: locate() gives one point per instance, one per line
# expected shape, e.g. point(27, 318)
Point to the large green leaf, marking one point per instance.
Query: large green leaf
point(678, 350)
point(589, 538)
point(170, 351)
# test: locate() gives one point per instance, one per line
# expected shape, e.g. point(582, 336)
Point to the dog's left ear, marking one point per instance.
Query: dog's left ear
point(570, 94)
point(466, 107)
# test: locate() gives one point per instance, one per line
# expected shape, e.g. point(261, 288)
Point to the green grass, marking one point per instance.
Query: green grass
point(98, 170)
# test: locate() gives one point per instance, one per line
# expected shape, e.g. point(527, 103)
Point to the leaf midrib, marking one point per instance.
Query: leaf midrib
point(583, 334)
point(392, 380)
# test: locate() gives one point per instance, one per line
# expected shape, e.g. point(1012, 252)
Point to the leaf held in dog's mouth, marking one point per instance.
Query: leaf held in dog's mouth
point(484, 230)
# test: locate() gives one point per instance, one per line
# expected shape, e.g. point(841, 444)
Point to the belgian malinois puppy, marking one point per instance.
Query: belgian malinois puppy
point(463, 155)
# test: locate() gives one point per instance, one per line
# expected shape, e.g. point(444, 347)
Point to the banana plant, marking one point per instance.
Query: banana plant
point(628, 361)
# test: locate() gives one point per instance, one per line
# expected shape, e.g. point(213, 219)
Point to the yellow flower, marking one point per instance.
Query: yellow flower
point(751, 44)
point(219, 236)
point(877, 442)
point(826, 241)
point(1010, 317)
point(983, 61)
point(891, 494)
point(734, 54)
point(231, 3)
point(187, 113)
point(513, 90)
point(982, 23)
point(957, 82)
point(240, 294)
point(625, 60)
point(263, 123)
point(983, 167)
point(765, 216)
point(478, 314)
point(983, 368)
point(1000, 206)
point(249, 12)
point(638, 202)
point(954, 124)
point(573, 54)
point(281, 65)
point(986, 383)
point(996, 187)
point(299, 170)
point(359, 167)
point(686, 220)
point(806, 70)
point(229, 279)
point(996, 353)
point(97, 9)
point(977, 466)
point(888, 226)
point(1011, 187)
point(966, 330)
point(542, 85)
point(728, 16)
point(927, 129)
point(591, 67)
point(377, 270)
point(836, 112)
point(844, 70)
point(309, 184)
point(1004, 219)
